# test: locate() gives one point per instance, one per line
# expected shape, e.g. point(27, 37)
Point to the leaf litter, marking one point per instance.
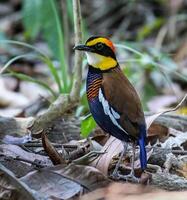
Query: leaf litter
point(84, 166)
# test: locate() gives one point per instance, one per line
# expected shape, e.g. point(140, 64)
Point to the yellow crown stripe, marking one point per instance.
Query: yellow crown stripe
point(97, 40)
point(102, 40)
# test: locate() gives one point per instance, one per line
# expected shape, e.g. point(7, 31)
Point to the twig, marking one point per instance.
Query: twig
point(64, 12)
point(88, 158)
point(183, 152)
point(78, 55)
point(35, 163)
point(68, 146)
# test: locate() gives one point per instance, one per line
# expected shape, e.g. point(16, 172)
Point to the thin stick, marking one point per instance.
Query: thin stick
point(74, 95)
point(68, 146)
point(65, 21)
point(30, 162)
point(183, 152)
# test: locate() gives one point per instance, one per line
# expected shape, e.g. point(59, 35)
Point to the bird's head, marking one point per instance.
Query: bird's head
point(100, 52)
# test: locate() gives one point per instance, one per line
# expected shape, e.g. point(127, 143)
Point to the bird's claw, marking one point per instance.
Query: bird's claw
point(129, 177)
point(115, 175)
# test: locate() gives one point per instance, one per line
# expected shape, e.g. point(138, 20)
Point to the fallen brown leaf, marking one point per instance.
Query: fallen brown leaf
point(89, 177)
point(14, 151)
point(183, 170)
point(112, 147)
point(157, 132)
point(63, 182)
point(150, 119)
point(13, 188)
point(51, 185)
point(53, 154)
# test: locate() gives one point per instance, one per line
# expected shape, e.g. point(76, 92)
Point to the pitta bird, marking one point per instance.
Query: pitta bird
point(113, 101)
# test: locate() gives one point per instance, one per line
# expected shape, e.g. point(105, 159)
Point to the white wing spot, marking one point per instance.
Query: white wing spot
point(116, 115)
point(112, 114)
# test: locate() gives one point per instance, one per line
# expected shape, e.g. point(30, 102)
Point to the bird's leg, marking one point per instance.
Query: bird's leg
point(130, 176)
point(133, 158)
point(115, 172)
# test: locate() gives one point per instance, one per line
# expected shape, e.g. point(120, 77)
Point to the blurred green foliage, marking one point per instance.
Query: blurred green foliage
point(148, 28)
point(39, 17)
point(43, 16)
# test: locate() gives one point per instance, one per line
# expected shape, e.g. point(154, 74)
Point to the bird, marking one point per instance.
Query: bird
point(113, 101)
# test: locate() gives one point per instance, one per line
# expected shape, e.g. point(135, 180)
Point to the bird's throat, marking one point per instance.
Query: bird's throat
point(100, 62)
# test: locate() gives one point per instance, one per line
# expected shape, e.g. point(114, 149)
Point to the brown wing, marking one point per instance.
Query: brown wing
point(122, 96)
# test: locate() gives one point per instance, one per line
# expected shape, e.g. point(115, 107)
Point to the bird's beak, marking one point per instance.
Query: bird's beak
point(82, 47)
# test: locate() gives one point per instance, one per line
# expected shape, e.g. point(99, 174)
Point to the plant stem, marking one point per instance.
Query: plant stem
point(65, 20)
point(63, 63)
point(75, 91)
point(3, 69)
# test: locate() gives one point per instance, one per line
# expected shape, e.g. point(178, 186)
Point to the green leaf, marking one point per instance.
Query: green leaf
point(4, 68)
point(70, 10)
point(42, 16)
point(31, 12)
point(87, 125)
point(54, 72)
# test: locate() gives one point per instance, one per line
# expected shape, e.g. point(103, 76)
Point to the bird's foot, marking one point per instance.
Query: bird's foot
point(130, 177)
point(115, 175)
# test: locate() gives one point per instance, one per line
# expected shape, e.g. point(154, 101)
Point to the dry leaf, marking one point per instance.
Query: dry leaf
point(7, 98)
point(13, 188)
point(14, 126)
point(150, 119)
point(89, 177)
point(8, 139)
point(14, 151)
point(177, 141)
point(157, 132)
point(183, 170)
point(159, 102)
point(26, 87)
point(53, 154)
point(52, 185)
point(62, 182)
point(112, 147)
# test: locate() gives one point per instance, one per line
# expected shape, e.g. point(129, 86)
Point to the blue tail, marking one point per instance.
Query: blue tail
point(142, 143)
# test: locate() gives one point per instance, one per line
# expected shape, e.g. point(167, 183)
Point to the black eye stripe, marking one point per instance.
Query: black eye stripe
point(99, 46)
point(103, 49)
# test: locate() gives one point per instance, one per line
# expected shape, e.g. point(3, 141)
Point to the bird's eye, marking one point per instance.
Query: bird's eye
point(99, 46)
